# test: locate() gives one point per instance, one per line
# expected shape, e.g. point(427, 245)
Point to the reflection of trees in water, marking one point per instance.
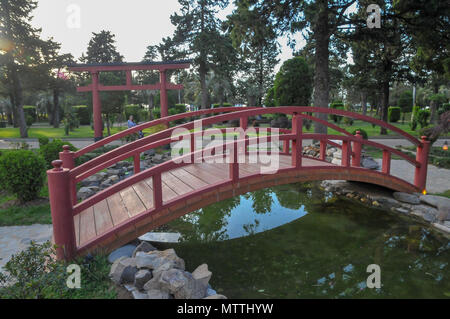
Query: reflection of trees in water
point(208, 223)
point(261, 200)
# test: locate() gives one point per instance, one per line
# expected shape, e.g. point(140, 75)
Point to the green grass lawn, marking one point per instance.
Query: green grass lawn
point(50, 132)
point(26, 214)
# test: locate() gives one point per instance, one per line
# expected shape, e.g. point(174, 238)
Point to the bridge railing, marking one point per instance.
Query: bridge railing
point(64, 177)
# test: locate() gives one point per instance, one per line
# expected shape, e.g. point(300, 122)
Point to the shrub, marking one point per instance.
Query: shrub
point(29, 120)
point(363, 133)
point(83, 114)
point(337, 105)
point(50, 151)
point(132, 109)
point(216, 105)
point(394, 113)
point(43, 141)
point(414, 115)
point(156, 112)
point(423, 117)
point(22, 173)
point(35, 274)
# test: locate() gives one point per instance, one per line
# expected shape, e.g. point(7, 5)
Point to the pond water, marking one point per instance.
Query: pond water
point(297, 241)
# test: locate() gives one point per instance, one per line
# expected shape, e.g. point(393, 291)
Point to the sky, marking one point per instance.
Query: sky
point(135, 23)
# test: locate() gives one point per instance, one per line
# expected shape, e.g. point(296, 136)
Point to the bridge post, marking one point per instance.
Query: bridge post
point(157, 190)
point(137, 163)
point(386, 164)
point(356, 158)
point(420, 176)
point(68, 161)
point(243, 123)
point(234, 164)
point(286, 147)
point(297, 126)
point(323, 149)
point(61, 209)
point(345, 161)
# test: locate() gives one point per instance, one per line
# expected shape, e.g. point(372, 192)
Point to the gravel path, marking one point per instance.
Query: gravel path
point(13, 239)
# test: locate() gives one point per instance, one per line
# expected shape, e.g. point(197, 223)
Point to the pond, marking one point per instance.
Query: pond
point(297, 241)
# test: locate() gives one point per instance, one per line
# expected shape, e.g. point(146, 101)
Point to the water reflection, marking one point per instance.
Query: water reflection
point(295, 241)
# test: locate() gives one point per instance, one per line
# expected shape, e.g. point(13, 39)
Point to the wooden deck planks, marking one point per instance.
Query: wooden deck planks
point(103, 220)
point(87, 225)
point(132, 201)
point(118, 211)
point(175, 184)
point(145, 193)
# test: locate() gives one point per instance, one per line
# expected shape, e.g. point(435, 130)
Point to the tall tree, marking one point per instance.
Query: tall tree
point(102, 49)
point(256, 41)
point(198, 30)
point(20, 48)
point(321, 19)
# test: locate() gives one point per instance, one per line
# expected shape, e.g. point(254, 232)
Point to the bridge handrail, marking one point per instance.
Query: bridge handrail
point(143, 126)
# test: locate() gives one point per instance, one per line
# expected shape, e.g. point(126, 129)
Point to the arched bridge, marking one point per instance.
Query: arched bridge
point(250, 158)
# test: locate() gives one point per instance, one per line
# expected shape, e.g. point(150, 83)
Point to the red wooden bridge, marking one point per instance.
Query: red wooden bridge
point(202, 176)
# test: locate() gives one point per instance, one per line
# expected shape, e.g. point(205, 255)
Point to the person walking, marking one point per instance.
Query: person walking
point(131, 124)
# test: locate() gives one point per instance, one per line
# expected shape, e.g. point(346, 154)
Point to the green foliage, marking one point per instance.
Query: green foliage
point(133, 110)
point(36, 275)
point(414, 116)
point(269, 99)
point(22, 173)
point(70, 120)
point(29, 120)
point(83, 114)
point(362, 132)
point(293, 83)
point(156, 112)
point(337, 105)
point(30, 110)
point(444, 108)
point(50, 151)
point(422, 117)
point(43, 141)
point(216, 105)
point(405, 101)
point(394, 113)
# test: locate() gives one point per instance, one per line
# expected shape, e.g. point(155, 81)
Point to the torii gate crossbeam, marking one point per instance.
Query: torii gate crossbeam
point(95, 87)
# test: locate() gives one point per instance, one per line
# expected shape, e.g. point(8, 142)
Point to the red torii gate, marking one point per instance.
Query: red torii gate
point(96, 87)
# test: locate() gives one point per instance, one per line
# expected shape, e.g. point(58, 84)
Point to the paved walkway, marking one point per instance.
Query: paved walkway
point(14, 239)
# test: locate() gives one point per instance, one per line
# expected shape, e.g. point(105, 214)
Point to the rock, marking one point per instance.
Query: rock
point(154, 259)
point(163, 267)
point(386, 202)
point(123, 270)
point(182, 284)
point(426, 210)
point(375, 203)
point(337, 154)
point(202, 274)
point(336, 161)
point(215, 297)
point(443, 215)
point(157, 294)
point(444, 228)
point(435, 201)
point(210, 291)
point(407, 198)
point(154, 283)
point(124, 251)
point(94, 178)
point(113, 171)
point(140, 295)
point(150, 152)
point(144, 247)
point(369, 163)
point(141, 278)
point(113, 178)
point(84, 192)
point(402, 210)
point(161, 237)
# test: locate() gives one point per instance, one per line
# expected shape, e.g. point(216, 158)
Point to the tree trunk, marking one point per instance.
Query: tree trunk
point(321, 78)
point(55, 113)
point(151, 105)
point(202, 71)
point(364, 102)
point(434, 106)
point(18, 99)
point(13, 111)
point(107, 125)
point(384, 106)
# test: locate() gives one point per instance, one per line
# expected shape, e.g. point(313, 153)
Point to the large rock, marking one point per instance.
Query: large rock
point(407, 198)
point(85, 192)
point(144, 247)
point(141, 278)
point(154, 259)
point(369, 163)
point(124, 251)
point(202, 274)
point(123, 270)
point(139, 295)
point(436, 201)
point(182, 284)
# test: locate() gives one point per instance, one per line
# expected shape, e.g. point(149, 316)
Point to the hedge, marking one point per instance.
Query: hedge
point(394, 113)
point(83, 114)
point(337, 105)
point(225, 104)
